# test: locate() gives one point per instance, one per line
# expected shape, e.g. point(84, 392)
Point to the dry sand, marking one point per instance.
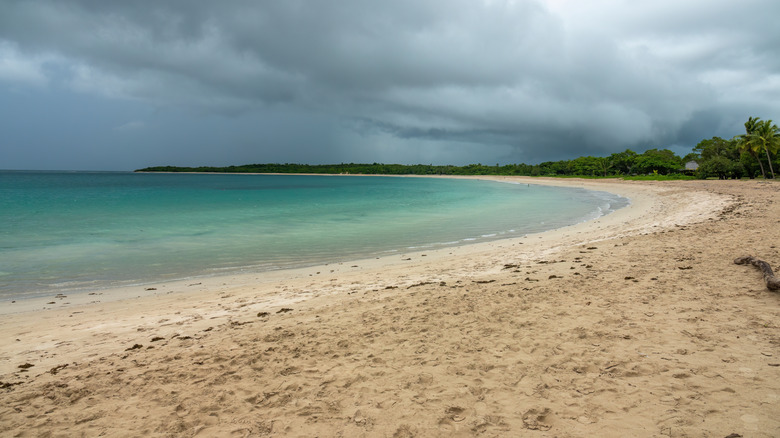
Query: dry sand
point(636, 324)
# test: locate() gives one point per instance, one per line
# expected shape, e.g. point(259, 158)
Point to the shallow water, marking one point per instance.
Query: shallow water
point(66, 231)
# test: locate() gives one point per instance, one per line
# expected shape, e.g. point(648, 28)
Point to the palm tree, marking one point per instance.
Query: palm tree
point(748, 141)
point(767, 137)
point(604, 164)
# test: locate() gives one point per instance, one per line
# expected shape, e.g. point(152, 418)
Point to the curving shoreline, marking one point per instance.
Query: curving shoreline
point(634, 322)
point(53, 300)
point(194, 226)
point(145, 289)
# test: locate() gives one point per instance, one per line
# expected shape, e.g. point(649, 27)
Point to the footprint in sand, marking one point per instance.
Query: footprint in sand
point(537, 419)
point(455, 413)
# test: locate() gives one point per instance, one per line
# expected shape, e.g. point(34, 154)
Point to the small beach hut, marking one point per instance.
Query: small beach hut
point(691, 167)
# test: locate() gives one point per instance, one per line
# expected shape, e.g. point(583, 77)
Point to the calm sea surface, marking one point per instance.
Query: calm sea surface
point(73, 231)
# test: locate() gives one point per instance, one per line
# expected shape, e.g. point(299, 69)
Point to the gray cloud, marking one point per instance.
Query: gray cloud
point(507, 80)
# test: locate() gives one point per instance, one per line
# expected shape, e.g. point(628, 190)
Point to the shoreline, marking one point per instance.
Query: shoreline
point(81, 296)
point(634, 323)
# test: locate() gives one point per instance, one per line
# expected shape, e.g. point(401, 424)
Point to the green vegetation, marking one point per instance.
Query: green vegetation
point(743, 156)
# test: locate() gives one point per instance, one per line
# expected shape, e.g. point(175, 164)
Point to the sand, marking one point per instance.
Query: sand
point(635, 324)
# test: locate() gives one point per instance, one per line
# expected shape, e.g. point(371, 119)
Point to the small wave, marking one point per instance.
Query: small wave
point(72, 284)
point(421, 246)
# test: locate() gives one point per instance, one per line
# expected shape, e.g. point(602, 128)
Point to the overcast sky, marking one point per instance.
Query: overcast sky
point(118, 85)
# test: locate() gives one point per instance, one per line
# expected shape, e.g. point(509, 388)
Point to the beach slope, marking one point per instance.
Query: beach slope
point(635, 324)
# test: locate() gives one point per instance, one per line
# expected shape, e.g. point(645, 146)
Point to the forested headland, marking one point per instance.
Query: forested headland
point(754, 153)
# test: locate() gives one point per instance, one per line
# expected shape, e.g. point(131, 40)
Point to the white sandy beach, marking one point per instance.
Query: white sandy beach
point(635, 324)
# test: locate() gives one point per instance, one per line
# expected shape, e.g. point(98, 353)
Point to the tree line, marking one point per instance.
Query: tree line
point(754, 153)
point(750, 154)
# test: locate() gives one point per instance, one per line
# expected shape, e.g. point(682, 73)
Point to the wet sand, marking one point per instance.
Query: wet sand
point(635, 324)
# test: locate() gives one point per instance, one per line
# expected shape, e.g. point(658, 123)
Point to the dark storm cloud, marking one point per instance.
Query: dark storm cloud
point(533, 79)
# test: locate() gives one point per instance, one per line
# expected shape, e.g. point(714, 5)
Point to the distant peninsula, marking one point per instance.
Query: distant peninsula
point(353, 168)
point(653, 161)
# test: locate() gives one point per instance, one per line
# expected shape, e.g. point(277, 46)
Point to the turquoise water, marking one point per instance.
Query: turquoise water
point(75, 231)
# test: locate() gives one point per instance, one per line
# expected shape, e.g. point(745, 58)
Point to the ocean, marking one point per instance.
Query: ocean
point(77, 231)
